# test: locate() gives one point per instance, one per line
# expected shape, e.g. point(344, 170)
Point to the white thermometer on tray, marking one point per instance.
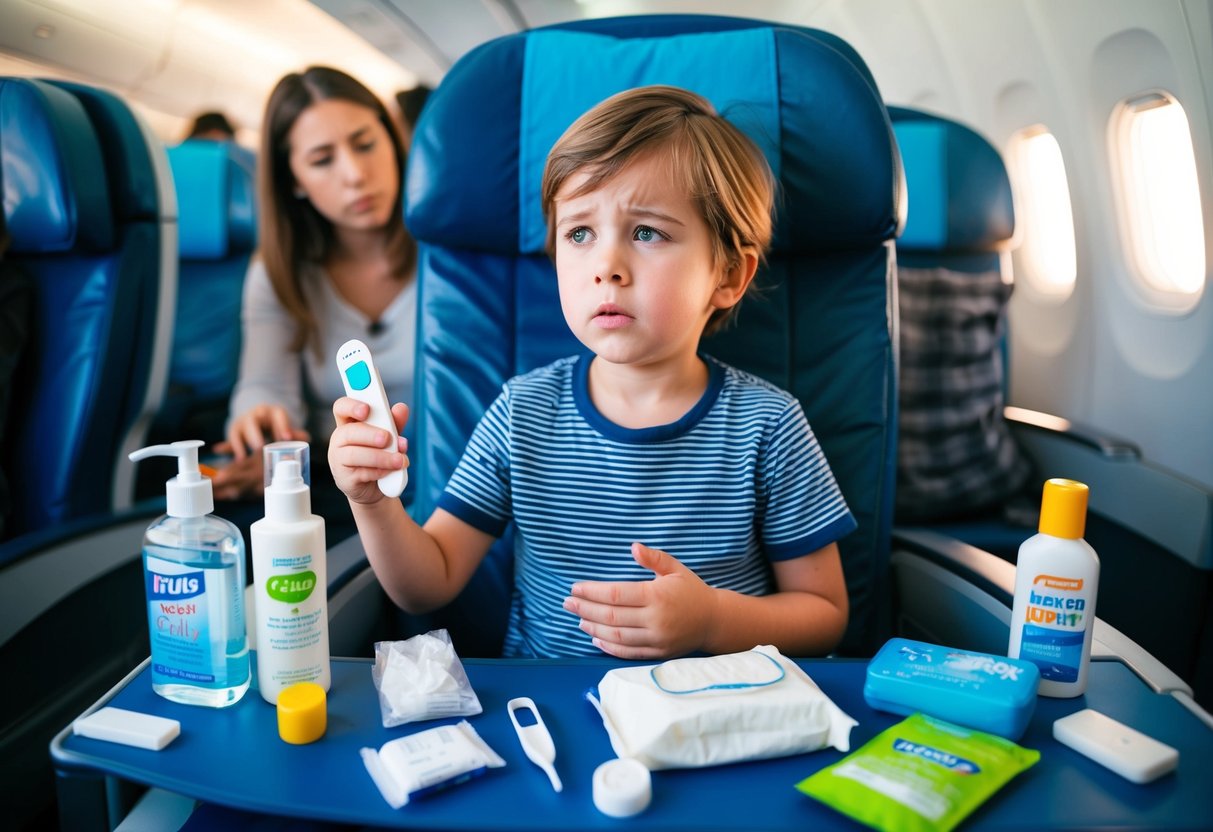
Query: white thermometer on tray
point(535, 739)
point(362, 382)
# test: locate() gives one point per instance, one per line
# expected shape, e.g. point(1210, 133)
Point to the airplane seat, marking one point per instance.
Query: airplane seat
point(951, 261)
point(214, 184)
point(146, 210)
point(819, 326)
point(960, 470)
point(77, 229)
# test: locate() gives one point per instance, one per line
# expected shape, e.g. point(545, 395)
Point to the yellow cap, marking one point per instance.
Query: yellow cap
point(1063, 509)
point(302, 713)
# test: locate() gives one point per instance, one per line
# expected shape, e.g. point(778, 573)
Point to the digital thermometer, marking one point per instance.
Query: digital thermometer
point(362, 382)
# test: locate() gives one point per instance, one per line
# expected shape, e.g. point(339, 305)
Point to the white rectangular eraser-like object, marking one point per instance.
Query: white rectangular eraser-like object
point(128, 728)
point(1116, 746)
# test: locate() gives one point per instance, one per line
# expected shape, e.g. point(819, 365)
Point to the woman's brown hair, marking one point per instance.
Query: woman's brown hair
point(292, 231)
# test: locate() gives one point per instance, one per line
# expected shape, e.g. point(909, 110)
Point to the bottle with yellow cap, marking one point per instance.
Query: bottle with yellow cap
point(1056, 580)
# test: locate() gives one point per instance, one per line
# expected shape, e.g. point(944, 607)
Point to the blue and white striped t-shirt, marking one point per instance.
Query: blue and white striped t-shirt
point(738, 481)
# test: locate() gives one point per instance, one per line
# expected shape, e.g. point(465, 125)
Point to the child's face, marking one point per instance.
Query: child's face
point(635, 267)
point(342, 159)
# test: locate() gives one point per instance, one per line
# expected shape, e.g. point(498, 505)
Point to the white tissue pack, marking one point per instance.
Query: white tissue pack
point(689, 713)
point(421, 678)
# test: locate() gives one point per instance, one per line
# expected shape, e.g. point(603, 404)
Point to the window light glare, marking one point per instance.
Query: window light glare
point(1159, 174)
point(1045, 213)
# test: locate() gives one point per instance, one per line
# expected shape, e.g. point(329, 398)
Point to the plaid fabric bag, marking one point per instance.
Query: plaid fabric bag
point(956, 455)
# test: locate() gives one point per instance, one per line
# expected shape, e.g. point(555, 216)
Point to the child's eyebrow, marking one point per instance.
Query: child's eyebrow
point(653, 213)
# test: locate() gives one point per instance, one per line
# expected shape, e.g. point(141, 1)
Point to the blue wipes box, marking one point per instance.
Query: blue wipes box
point(978, 690)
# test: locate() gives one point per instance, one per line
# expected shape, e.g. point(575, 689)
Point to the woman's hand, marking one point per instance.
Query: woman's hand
point(244, 477)
point(359, 454)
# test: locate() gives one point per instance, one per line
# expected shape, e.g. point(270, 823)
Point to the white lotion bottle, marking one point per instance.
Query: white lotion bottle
point(1056, 582)
point(289, 585)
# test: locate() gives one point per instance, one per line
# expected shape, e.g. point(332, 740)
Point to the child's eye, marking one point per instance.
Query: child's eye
point(578, 235)
point(645, 234)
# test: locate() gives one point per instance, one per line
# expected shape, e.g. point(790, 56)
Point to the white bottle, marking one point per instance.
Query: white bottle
point(1056, 581)
point(193, 566)
point(289, 585)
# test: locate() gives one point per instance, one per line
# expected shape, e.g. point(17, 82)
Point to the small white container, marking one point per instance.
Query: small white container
point(1056, 582)
point(290, 583)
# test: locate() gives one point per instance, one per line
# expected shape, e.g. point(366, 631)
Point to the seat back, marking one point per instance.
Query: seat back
point(86, 228)
point(819, 327)
point(217, 235)
point(956, 455)
point(145, 213)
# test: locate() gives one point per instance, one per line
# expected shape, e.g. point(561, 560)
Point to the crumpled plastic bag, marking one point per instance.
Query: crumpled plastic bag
point(421, 678)
point(689, 713)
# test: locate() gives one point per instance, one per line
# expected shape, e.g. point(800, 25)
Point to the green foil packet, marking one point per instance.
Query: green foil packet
point(920, 774)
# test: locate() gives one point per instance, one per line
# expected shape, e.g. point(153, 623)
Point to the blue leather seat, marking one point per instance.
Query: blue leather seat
point(217, 234)
point(84, 216)
point(85, 204)
point(958, 462)
point(821, 327)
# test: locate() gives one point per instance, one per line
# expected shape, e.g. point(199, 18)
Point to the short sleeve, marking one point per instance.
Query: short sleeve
point(479, 491)
point(801, 508)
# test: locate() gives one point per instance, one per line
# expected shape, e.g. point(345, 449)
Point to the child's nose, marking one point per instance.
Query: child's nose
point(612, 268)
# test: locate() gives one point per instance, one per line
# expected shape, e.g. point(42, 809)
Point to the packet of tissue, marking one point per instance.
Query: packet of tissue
point(688, 713)
point(421, 678)
point(428, 761)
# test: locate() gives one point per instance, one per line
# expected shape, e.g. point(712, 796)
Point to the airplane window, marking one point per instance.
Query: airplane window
point(1159, 197)
point(1042, 209)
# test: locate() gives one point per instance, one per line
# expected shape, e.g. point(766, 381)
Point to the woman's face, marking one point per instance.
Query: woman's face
point(342, 159)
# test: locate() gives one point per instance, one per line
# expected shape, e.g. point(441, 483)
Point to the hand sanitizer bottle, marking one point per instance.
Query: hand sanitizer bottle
point(289, 581)
point(193, 567)
point(1056, 581)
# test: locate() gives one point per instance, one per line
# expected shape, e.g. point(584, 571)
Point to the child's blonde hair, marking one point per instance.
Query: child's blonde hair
point(718, 166)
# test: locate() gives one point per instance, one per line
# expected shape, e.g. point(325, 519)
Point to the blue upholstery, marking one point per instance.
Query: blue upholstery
point(961, 212)
point(218, 232)
point(83, 193)
point(488, 307)
point(71, 412)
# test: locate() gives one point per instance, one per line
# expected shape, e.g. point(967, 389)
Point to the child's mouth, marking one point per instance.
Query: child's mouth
point(610, 316)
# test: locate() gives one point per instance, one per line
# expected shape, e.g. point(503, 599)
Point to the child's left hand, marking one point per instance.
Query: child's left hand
point(670, 615)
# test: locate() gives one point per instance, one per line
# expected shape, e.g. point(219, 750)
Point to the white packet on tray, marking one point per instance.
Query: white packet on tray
point(421, 678)
point(689, 713)
point(428, 761)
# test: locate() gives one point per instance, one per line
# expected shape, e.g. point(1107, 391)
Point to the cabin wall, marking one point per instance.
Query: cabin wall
point(1105, 356)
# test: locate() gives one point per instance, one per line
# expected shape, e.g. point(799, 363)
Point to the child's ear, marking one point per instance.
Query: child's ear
point(735, 280)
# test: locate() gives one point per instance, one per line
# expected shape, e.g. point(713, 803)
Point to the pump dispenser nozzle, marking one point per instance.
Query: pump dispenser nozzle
point(189, 493)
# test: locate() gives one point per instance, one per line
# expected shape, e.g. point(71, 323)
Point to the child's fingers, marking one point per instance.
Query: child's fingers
point(347, 409)
point(369, 463)
point(400, 413)
point(609, 615)
point(619, 593)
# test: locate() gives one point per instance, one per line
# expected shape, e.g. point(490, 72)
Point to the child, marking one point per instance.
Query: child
point(665, 503)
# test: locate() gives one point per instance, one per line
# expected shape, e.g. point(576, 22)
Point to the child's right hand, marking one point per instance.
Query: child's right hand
point(359, 454)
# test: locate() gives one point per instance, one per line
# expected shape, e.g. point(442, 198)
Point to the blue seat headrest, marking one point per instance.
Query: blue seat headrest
point(132, 177)
point(506, 103)
point(959, 193)
point(56, 193)
point(215, 199)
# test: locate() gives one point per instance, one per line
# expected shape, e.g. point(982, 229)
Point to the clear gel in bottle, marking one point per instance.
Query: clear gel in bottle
point(193, 567)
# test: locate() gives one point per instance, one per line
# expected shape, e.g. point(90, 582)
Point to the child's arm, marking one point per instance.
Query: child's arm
point(420, 568)
point(677, 613)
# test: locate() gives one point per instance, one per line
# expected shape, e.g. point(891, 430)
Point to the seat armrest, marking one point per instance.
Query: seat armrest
point(1021, 419)
point(948, 592)
point(1158, 504)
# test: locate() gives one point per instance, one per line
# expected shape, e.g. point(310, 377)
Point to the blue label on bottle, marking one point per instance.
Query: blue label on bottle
point(1058, 654)
point(195, 624)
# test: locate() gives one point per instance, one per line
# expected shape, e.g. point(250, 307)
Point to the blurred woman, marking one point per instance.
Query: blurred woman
point(335, 262)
